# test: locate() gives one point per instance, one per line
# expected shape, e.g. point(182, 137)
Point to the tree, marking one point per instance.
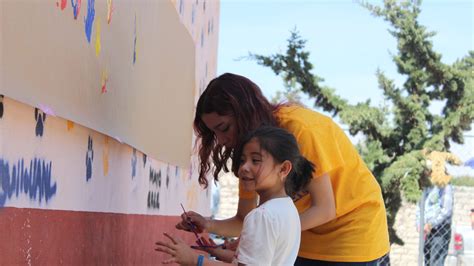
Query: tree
point(397, 134)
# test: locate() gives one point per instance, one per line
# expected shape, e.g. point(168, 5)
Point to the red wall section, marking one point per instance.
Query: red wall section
point(51, 237)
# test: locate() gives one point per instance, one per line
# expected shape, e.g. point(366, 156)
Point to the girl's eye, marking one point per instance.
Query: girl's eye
point(256, 160)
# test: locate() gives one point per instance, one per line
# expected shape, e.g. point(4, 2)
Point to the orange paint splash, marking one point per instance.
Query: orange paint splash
point(70, 125)
point(105, 156)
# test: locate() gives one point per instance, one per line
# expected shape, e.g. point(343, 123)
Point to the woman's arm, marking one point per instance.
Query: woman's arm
point(323, 205)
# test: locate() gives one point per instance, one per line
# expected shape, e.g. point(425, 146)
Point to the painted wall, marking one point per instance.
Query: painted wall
point(72, 195)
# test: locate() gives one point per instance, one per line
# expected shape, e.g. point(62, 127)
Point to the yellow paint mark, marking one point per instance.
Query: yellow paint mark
point(70, 125)
point(97, 37)
point(105, 155)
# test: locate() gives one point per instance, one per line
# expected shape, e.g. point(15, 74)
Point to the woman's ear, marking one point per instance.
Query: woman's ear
point(285, 168)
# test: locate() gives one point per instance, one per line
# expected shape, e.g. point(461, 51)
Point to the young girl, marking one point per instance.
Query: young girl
point(269, 163)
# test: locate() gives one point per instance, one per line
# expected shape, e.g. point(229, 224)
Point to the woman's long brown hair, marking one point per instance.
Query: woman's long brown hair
point(237, 96)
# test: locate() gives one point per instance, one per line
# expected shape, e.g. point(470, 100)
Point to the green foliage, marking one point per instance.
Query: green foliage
point(395, 134)
point(463, 181)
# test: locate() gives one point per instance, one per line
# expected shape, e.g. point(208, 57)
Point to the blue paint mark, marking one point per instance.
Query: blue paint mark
point(134, 163)
point(181, 7)
point(193, 14)
point(89, 159)
point(89, 19)
point(75, 8)
point(40, 118)
point(34, 181)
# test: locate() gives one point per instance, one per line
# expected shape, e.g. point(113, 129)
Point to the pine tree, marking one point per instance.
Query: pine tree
point(397, 134)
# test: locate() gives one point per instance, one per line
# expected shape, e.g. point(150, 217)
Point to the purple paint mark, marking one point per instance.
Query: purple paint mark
point(32, 181)
point(89, 19)
point(46, 109)
point(76, 7)
point(135, 41)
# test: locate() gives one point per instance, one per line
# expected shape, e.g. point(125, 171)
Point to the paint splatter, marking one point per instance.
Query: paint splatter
point(70, 125)
point(155, 177)
point(89, 159)
point(193, 14)
point(135, 41)
point(105, 156)
point(63, 4)
point(89, 19)
point(1, 106)
point(105, 79)
point(134, 162)
point(110, 9)
point(153, 201)
point(40, 118)
point(167, 176)
point(144, 160)
point(97, 38)
point(76, 7)
point(34, 181)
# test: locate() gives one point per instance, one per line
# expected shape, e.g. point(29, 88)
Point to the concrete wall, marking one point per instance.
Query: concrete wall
point(71, 195)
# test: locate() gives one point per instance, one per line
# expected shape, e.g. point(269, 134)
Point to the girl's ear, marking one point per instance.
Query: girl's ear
point(285, 168)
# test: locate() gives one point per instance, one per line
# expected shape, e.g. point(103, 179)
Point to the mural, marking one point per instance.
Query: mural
point(34, 180)
point(144, 54)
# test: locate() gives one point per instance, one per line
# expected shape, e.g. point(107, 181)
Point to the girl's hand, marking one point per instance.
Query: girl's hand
point(190, 219)
point(181, 253)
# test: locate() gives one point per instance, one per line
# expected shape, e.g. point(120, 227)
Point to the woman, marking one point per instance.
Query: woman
point(341, 210)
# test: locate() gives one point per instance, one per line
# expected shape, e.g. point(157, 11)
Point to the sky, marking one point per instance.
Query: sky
point(346, 43)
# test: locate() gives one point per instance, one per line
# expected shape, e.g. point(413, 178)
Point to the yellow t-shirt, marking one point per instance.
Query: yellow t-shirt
point(359, 232)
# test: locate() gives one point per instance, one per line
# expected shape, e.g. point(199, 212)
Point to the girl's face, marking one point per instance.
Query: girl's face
point(223, 126)
point(258, 170)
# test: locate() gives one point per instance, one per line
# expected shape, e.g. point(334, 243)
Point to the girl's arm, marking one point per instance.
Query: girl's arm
point(323, 206)
point(229, 227)
point(233, 226)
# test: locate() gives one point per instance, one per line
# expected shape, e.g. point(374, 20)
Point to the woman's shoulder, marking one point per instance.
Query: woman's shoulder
point(298, 119)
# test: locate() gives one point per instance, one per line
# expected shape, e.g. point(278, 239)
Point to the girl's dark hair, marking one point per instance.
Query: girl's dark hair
point(282, 145)
point(233, 95)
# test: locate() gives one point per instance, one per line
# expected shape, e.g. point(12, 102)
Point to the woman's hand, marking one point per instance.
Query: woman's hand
point(181, 253)
point(190, 219)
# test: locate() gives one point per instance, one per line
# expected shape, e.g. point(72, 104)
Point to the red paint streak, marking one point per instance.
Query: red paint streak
point(63, 4)
point(53, 237)
point(104, 88)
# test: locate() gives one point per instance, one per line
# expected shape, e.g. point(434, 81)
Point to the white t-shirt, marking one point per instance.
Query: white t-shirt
point(271, 234)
